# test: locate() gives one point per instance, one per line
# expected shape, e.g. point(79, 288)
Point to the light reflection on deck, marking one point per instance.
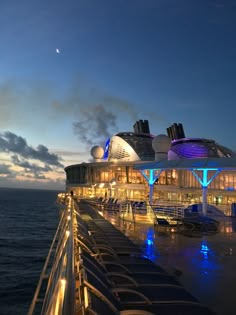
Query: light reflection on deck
point(205, 265)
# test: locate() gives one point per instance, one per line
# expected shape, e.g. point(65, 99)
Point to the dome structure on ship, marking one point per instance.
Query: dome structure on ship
point(161, 145)
point(97, 152)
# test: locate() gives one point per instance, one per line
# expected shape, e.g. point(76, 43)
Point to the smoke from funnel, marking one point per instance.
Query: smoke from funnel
point(95, 125)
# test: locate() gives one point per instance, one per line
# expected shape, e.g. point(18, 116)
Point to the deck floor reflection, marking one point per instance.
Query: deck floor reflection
point(205, 265)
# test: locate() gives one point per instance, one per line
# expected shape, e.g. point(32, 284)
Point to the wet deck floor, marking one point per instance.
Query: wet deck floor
point(204, 264)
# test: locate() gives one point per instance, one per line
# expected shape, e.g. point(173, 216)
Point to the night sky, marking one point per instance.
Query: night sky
point(119, 60)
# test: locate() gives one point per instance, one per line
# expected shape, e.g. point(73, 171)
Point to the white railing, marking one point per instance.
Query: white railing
point(168, 211)
point(151, 212)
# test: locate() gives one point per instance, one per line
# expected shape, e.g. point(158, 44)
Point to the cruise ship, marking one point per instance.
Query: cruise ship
point(92, 267)
point(117, 169)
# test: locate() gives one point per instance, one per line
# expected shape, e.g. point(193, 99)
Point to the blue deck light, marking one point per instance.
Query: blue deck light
point(205, 250)
point(149, 242)
point(150, 250)
point(150, 236)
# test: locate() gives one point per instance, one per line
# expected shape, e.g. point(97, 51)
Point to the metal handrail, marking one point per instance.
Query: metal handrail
point(43, 273)
point(59, 297)
point(172, 212)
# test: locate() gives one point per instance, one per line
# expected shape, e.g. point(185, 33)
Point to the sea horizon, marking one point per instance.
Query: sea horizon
point(27, 188)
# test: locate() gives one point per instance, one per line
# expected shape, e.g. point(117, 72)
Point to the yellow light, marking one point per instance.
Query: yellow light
point(63, 283)
point(67, 233)
point(57, 305)
point(86, 302)
point(63, 287)
point(228, 229)
point(60, 297)
point(68, 217)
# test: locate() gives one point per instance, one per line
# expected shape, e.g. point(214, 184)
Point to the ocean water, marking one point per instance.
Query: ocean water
point(28, 221)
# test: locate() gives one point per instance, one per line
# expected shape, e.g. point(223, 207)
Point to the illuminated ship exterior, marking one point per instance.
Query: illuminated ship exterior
point(190, 148)
point(113, 173)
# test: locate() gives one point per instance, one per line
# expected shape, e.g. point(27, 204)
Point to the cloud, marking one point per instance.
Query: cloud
point(95, 124)
point(30, 167)
point(36, 176)
point(4, 169)
point(10, 142)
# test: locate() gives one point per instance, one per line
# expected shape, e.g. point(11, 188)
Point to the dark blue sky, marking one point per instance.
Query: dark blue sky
point(163, 60)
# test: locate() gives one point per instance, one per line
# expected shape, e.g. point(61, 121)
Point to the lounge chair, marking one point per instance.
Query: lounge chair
point(103, 299)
